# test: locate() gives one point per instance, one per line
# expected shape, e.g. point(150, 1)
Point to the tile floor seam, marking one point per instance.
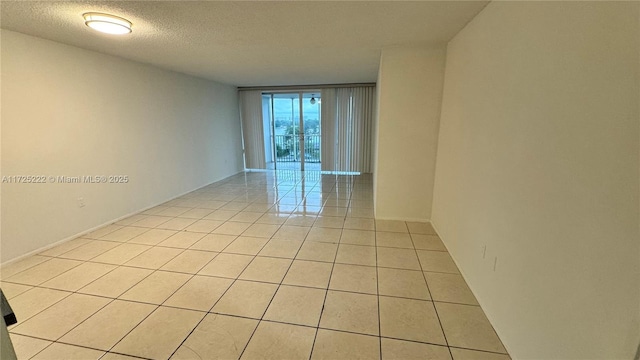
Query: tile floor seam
point(378, 290)
point(221, 296)
point(326, 294)
point(430, 294)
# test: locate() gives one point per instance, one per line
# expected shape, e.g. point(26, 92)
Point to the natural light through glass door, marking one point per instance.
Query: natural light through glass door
point(292, 123)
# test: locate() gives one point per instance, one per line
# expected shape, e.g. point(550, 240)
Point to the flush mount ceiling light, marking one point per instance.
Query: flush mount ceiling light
point(107, 23)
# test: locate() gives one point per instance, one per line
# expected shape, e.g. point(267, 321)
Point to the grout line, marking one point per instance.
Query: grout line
point(435, 309)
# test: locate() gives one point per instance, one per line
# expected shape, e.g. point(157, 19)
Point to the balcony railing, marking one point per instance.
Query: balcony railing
point(288, 148)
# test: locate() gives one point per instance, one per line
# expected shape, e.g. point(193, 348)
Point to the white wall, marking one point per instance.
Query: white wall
point(68, 111)
point(538, 160)
point(409, 97)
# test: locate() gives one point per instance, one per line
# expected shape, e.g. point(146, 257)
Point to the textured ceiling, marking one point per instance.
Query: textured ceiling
point(249, 43)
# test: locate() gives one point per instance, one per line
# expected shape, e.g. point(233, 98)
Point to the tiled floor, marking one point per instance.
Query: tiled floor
point(262, 265)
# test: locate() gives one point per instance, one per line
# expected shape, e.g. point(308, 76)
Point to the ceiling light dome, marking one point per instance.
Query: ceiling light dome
point(107, 23)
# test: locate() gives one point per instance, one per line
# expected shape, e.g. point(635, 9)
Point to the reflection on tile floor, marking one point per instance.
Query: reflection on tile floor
point(269, 265)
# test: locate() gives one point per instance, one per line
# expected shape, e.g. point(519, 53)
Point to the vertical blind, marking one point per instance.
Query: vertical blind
point(252, 130)
point(346, 126)
point(347, 129)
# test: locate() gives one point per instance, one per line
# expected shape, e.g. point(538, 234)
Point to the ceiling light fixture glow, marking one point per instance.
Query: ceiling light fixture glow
point(107, 23)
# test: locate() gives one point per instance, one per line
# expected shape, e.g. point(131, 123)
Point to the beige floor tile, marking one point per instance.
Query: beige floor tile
point(301, 220)
point(121, 254)
point(154, 258)
point(331, 345)
point(317, 251)
point(79, 276)
point(408, 350)
point(428, 242)
point(394, 240)
point(272, 218)
point(116, 282)
point(156, 288)
point(190, 261)
point(42, 272)
point(324, 235)
point(55, 321)
point(437, 261)
point(58, 351)
point(281, 248)
point(199, 293)
point(131, 220)
point(182, 239)
point(178, 224)
point(114, 356)
point(34, 301)
point(420, 228)
point(449, 288)
point(64, 247)
point(152, 237)
point(226, 265)
point(222, 215)
point(354, 278)
point(125, 234)
point(235, 205)
point(295, 233)
point(109, 325)
point(258, 207)
point(213, 204)
point(333, 211)
point(90, 250)
point(196, 213)
point(213, 242)
point(337, 202)
point(465, 354)
point(247, 216)
point(391, 226)
point(361, 203)
point(21, 265)
point(217, 337)
point(358, 237)
point(204, 226)
point(398, 258)
point(12, 290)
point(360, 212)
point(333, 222)
point(98, 233)
point(280, 341)
point(296, 305)
point(152, 221)
point(357, 223)
point(410, 319)
point(246, 245)
point(261, 230)
point(246, 298)
point(350, 312)
point(266, 270)
point(160, 334)
point(173, 211)
point(466, 326)
point(308, 273)
point(232, 228)
point(402, 283)
point(26, 347)
point(356, 255)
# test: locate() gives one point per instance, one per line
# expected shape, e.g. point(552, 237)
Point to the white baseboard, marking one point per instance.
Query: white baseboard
point(49, 246)
point(480, 302)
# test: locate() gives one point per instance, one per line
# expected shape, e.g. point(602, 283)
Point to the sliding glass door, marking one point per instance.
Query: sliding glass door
point(293, 119)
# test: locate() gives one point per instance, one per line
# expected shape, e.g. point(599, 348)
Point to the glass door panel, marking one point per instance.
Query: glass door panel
point(296, 130)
